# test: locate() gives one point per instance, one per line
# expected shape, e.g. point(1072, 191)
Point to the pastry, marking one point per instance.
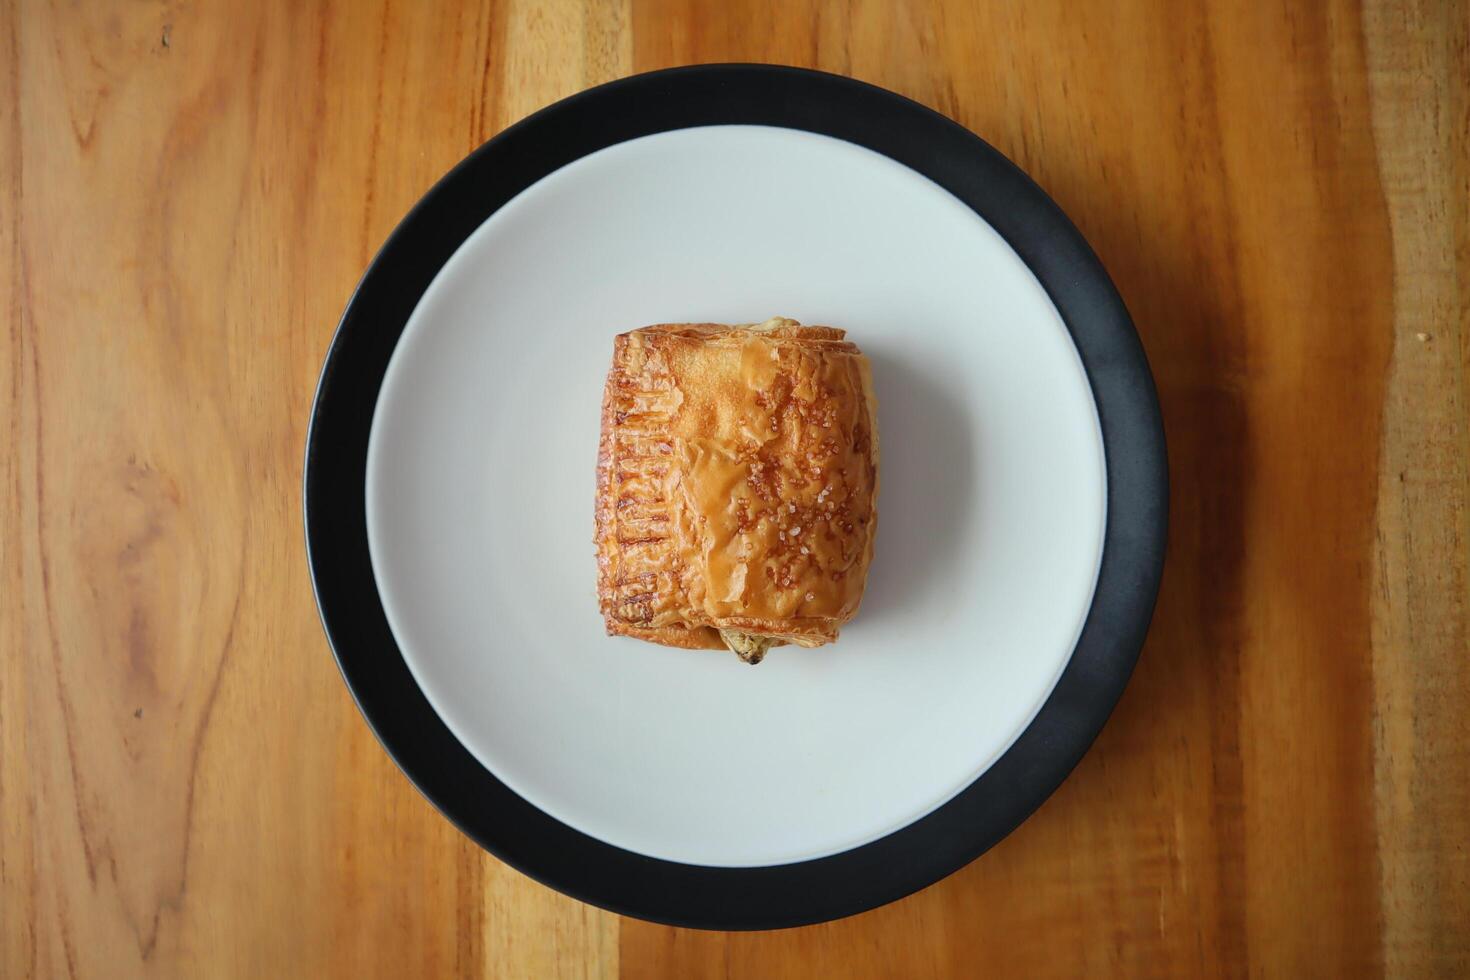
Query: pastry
point(737, 477)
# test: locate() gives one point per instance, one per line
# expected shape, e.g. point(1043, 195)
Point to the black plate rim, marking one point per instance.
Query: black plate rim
point(907, 859)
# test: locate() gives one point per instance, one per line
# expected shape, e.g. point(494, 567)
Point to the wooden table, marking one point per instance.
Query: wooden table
point(190, 191)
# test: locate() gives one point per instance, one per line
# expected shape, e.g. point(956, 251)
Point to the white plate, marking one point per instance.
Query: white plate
point(480, 497)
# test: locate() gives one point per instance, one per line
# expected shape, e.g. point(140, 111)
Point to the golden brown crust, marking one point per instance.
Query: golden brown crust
point(736, 484)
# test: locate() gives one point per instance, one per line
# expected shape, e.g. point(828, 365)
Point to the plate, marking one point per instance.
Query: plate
point(449, 490)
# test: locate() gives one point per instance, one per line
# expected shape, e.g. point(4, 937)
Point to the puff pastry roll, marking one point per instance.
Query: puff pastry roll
point(737, 481)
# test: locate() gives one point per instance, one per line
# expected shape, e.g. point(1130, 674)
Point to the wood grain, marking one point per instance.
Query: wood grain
point(1419, 59)
point(1281, 191)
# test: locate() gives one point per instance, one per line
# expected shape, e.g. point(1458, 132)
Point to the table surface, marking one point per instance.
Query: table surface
point(190, 191)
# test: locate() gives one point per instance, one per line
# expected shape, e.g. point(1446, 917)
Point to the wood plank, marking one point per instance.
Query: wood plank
point(1223, 164)
point(1419, 75)
point(188, 788)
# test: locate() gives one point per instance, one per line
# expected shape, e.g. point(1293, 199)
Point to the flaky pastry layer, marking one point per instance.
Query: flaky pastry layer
point(737, 478)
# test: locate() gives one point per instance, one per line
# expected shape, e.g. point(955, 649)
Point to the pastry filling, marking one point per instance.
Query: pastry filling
point(752, 649)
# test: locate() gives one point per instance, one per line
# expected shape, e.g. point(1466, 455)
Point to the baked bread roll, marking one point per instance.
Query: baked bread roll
point(737, 478)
